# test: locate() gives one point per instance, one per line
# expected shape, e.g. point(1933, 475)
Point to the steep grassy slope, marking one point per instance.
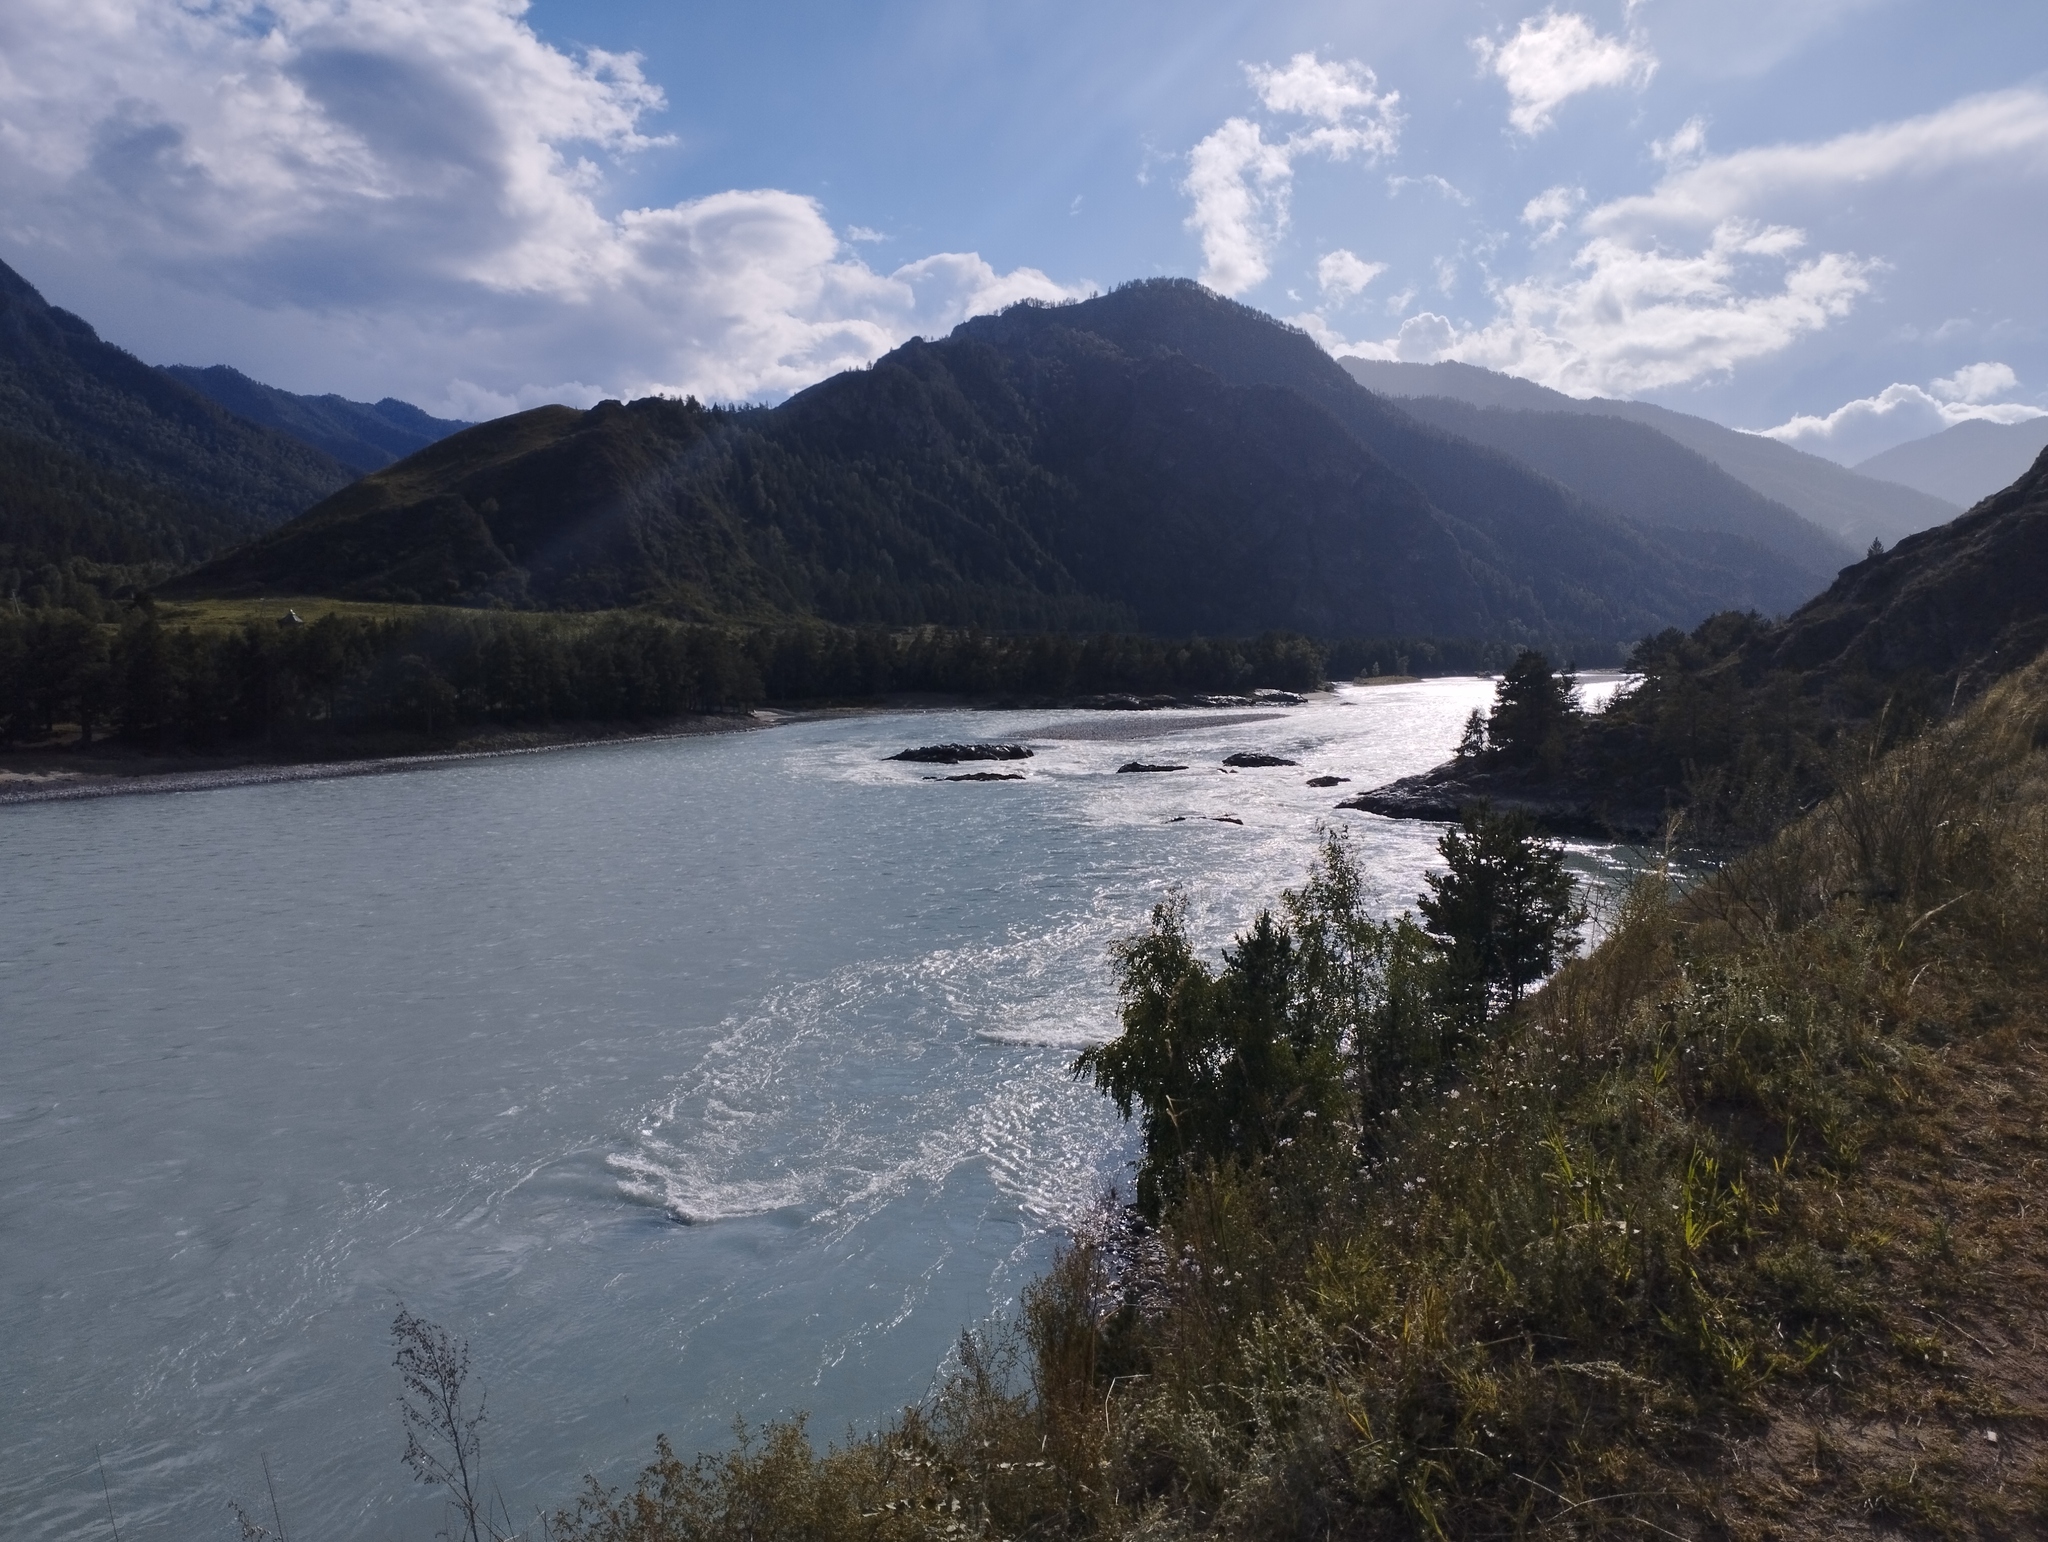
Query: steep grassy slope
point(1158, 458)
point(363, 436)
point(1855, 508)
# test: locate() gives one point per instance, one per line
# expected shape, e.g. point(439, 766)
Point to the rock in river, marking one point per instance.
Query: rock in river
point(1139, 765)
point(1327, 781)
point(953, 754)
point(1254, 758)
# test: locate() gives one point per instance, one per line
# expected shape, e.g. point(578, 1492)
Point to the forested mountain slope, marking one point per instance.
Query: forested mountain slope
point(1157, 457)
point(363, 436)
point(1856, 508)
point(105, 458)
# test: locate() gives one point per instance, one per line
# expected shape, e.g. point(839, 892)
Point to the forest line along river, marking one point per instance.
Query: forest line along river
point(692, 1078)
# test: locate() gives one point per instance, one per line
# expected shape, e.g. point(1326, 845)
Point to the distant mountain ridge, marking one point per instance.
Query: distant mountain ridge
point(363, 436)
point(102, 456)
point(1158, 457)
point(1633, 469)
point(1853, 507)
point(1965, 463)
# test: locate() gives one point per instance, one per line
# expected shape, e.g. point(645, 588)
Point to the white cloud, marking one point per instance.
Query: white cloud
point(1311, 88)
point(1976, 383)
point(428, 174)
point(1693, 279)
point(1395, 186)
point(1859, 429)
point(1343, 274)
point(1685, 146)
point(1555, 57)
point(2004, 125)
point(1625, 319)
point(1239, 180)
point(1550, 210)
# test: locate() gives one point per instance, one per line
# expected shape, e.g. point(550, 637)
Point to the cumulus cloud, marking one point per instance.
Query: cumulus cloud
point(1555, 57)
point(1685, 146)
point(1239, 180)
point(1550, 210)
point(431, 172)
point(1859, 429)
point(1693, 279)
point(1342, 274)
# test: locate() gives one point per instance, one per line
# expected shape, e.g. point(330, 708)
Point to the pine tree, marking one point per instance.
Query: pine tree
point(1504, 912)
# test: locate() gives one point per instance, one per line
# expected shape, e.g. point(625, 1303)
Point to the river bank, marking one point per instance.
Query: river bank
point(63, 776)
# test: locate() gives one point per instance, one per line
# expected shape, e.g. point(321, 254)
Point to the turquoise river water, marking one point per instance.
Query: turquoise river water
point(687, 1079)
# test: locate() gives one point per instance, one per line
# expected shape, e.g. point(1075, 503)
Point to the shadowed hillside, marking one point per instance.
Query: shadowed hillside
point(1158, 458)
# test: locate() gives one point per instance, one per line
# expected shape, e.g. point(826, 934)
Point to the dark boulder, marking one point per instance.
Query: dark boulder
point(1327, 781)
point(953, 754)
point(1139, 765)
point(1244, 758)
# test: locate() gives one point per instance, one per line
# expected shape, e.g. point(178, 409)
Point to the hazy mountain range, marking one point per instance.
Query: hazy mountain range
point(1157, 458)
point(1963, 464)
point(1854, 507)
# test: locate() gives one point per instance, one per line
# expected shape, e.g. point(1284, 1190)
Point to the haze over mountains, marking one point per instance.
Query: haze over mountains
point(1854, 507)
point(1157, 458)
point(1965, 463)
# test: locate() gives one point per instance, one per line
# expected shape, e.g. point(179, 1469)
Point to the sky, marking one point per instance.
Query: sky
point(1820, 219)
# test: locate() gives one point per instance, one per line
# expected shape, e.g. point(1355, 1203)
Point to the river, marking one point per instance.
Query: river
point(687, 1079)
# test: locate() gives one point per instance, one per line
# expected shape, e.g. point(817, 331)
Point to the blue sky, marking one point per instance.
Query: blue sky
point(1818, 217)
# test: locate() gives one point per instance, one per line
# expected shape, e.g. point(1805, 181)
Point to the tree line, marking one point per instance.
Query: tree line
point(163, 685)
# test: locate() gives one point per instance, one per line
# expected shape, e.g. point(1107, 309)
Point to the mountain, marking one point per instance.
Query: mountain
point(363, 436)
point(1854, 507)
point(105, 458)
point(1631, 469)
point(1953, 608)
point(1962, 464)
point(1158, 458)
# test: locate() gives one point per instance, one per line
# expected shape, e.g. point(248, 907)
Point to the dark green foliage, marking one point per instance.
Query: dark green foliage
point(1320, 1025)
point(1535, 708)
point(319, 688)
point(1220, 1068)
point(1504, 912)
